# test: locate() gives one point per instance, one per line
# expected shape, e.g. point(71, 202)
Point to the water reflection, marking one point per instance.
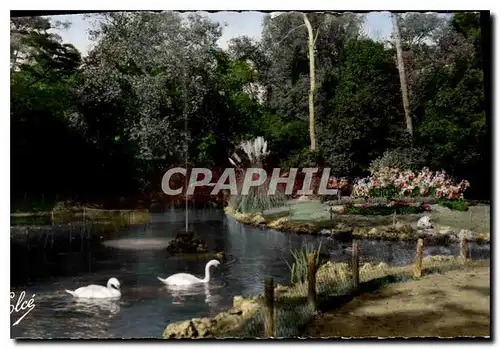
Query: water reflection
point(138, 243)
point(147, 306)
point(182, 294)
point(93, 306)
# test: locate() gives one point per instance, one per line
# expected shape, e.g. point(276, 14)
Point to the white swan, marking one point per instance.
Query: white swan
point(97, 291)
point(182, 279)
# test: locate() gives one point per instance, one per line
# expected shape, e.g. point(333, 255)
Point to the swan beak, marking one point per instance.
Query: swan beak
point(219, 255)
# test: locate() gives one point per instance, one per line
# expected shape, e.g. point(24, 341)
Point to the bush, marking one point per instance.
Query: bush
point(455, 205)
point(383, 210)
point(257, 200)
point(388, 192)
point(301, 159)
point(407, 158)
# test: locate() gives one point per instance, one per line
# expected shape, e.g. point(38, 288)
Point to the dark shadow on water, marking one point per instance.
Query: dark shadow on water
point(147, 307)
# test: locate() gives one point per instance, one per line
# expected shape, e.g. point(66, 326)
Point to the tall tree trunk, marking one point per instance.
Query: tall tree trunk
point(402, 75)
point(312, 84)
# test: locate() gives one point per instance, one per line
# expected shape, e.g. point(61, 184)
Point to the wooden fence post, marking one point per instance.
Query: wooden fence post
point(355, 263)
point(418, 261)
point(311, 280)
point(269, 307)
point(464, 248)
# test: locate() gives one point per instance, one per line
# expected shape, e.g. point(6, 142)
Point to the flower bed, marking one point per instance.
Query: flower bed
point(393, 182)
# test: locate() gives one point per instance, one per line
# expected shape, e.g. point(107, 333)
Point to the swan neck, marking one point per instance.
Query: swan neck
point(207, 273)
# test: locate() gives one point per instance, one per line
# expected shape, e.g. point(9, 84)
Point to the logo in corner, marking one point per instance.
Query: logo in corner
point(21, 306)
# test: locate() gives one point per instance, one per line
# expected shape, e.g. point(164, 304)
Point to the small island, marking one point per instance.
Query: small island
point(187, 242)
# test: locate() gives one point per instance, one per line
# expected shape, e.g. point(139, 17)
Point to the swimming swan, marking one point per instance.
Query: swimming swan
point(188, 279)
point(97, 291)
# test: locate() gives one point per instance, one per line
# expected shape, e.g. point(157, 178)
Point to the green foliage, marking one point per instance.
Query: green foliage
point(388, 192)
point(383, 210)
point(204, 150)
point(257, 200)
point(117, 119)
point(299, 268)
point(391, 192)
point(407, 158)
point(366, 113)
point(300, 159)
point(455, 205)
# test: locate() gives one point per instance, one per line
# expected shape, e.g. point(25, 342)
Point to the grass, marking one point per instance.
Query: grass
point(300, 266)
point(257, 201)
point(456, 205)
point(477, 218)
point(334, 286)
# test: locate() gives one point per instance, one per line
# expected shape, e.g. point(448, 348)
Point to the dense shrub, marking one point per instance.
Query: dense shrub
point(409, 158)
point(456, 205)
point(384, 210)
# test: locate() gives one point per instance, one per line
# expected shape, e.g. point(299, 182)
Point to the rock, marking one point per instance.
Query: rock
point(258, 219)
point(482, 238)
point(469, 235)
point(426, 232)
point(433, 237)
point(342, 232)
point(211, 327)
point(404, 228)
point(439, 208)
point(360, 232)
point(304, 198)
point(338, 209)
point(183, 329)
point(445, 230)
point(425, 223)
point(342, 226)
point(325, 232)
point(237, 300)
point(276, 224)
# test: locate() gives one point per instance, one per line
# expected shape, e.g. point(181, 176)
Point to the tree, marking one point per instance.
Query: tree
point(44, 73)
point(163, 71)
point(453, 118)
point(402, 75)
point(365, 114)
point(292, 54)
point(312, 82)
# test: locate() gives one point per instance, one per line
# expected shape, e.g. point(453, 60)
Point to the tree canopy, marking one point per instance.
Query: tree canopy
point(156, 90)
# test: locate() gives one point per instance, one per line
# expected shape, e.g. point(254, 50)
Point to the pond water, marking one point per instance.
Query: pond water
point(146, 306)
